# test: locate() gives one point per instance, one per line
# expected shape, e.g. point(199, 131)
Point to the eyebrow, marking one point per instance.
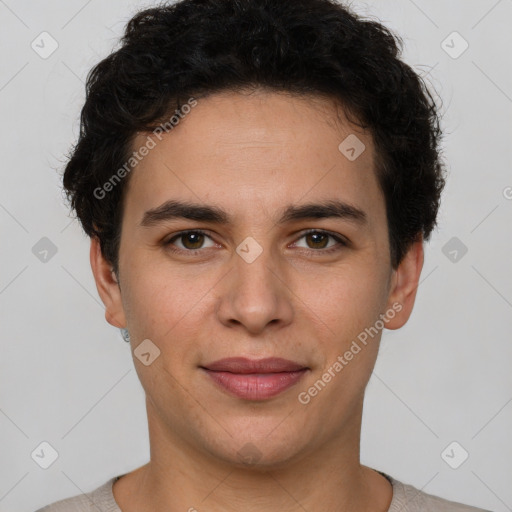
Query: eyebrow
point(172, 209)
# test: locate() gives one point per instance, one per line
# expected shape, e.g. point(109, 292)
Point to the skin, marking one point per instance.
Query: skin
point(252, 155)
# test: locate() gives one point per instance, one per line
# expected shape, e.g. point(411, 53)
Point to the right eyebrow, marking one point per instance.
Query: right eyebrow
point(181, 210)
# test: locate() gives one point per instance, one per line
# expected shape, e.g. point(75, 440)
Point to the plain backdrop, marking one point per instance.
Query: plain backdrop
point(66, 376)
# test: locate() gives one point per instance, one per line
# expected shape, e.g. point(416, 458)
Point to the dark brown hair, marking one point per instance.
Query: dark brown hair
point(194, 48)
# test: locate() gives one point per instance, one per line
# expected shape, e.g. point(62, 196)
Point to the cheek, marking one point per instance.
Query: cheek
point(162, 301)
point(346, 299)
point(348, 303)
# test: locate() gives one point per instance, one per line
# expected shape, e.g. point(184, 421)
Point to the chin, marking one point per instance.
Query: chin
point(258, 452)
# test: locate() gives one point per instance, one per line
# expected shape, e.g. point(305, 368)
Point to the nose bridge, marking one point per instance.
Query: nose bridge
point(254, 272)
point(255, 268)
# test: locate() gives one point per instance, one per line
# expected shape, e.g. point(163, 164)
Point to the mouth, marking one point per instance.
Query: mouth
point(253, 379)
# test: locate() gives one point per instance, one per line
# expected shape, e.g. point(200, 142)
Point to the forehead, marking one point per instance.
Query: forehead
point(256, 152)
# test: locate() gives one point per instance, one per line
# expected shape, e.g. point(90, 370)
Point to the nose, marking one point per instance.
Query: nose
point(256, 295)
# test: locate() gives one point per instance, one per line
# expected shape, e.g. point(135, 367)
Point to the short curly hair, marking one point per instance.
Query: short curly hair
point(194, 48)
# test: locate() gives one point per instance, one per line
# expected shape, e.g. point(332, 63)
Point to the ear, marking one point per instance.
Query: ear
point(404, 283)
point(107, 286)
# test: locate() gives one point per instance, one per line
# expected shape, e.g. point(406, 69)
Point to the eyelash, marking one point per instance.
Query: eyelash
point(341, 242)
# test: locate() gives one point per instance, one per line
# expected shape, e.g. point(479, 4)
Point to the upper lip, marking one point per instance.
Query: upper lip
point(245, 365)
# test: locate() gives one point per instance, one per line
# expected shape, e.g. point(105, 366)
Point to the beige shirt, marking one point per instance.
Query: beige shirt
point(405, 499)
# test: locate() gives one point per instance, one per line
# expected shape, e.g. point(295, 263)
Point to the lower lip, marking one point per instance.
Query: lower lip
point(256, 386)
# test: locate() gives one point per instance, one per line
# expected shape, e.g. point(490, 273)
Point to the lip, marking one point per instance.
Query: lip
point(255, 379)
point(244, 365)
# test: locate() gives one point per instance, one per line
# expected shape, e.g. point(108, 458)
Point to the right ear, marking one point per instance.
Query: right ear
point(107, 286)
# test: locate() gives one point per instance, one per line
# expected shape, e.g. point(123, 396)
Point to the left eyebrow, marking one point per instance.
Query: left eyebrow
point(173, 209)
point(324, 210)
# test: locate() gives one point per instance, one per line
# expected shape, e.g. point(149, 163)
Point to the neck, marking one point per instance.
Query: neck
point(181, 477)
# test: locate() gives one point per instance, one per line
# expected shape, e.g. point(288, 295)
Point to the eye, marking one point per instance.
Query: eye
point(318, 241)
point(191, 241)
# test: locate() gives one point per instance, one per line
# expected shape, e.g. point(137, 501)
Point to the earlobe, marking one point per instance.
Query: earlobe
point(107, 286)
point(405, 285)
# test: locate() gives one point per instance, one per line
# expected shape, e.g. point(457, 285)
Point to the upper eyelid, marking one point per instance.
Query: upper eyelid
point(337, 237)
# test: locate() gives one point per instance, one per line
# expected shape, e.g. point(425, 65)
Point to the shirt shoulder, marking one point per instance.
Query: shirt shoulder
point(407, 498)
point(101, 498)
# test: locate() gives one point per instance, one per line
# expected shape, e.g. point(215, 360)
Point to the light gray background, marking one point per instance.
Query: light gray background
point(67, 378)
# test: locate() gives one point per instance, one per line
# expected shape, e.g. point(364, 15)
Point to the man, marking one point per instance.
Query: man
point(257, 178)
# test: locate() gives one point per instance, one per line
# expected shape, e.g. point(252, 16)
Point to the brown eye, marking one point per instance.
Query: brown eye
point(192, 240)
point(189, 241)
point(318, 240)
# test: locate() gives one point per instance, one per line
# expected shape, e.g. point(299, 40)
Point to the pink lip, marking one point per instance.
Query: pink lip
point(253, 379)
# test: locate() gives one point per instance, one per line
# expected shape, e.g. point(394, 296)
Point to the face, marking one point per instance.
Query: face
point(264, 277)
